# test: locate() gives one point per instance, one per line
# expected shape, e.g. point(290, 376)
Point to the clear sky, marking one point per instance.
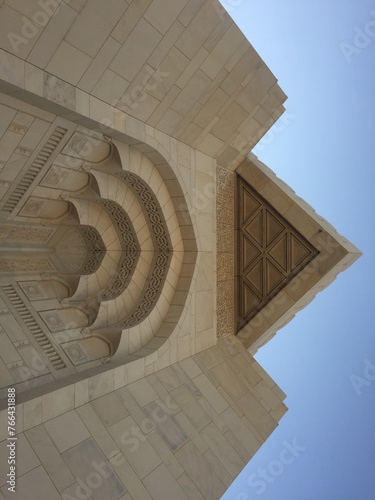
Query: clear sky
point(323, 53)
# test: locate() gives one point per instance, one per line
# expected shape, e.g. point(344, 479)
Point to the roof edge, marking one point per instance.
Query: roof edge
point(336, 254)
point(344, 242)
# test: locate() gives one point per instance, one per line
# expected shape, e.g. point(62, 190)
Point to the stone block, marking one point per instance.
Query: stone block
point(207, 481)
point(34, 484)
point(109, 409)
point(53, 34)
point(136, 50)
point(210, 392)
point(161, 17)
point(94, 24)
point(98, 430)
point(50, 457)
point(68, 63)
point(162, 485)
point(90, 467)
point(135, 447)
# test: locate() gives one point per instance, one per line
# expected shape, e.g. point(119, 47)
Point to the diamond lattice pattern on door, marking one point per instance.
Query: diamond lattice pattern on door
point(271, 252)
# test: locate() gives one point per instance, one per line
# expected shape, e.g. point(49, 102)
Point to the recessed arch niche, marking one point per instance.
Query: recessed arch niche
point(138, 295)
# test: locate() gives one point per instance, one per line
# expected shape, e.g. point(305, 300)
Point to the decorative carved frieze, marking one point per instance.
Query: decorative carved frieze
point(96, 249)
point(25, 264)
point(130, 254)
point(33, 327)
point(76, 250)
point(29, 176)
point(28, 233)
point(19, 129)
point(159, 268)
point(225, 251)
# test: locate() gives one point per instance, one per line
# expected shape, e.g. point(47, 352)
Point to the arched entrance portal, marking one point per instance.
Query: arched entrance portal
point(101, 257)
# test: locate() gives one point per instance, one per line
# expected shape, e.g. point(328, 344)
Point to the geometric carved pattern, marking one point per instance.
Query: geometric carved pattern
point(96, 249)
point(270, 253)
point(32, 206)
point(75, 352)
point(130, 253)
point(52, 320)
point(13, 232)
point(25, 264)
point(162, 246)
point(225, 303)
point(33, 327)
point(37, 165)
point(32, 290)
point(78, 251)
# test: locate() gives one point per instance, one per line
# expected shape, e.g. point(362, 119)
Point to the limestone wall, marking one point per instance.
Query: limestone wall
point(184, 432)
point(177, 82)
point(182, 67)
point(42, 201)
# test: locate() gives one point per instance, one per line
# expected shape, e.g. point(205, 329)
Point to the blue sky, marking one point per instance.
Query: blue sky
point(323, 54)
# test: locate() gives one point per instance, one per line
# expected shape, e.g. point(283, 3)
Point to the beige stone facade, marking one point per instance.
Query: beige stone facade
point(132, 292)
